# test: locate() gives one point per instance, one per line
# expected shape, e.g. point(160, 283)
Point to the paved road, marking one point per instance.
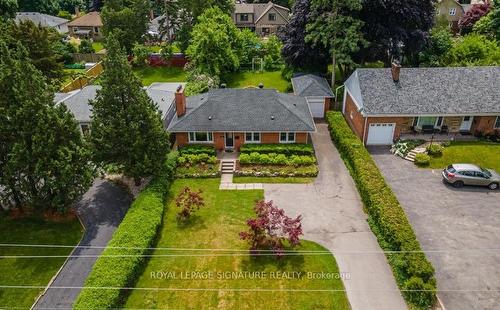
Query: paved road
point(333, 217)
point(101, 210)
point(456, 222)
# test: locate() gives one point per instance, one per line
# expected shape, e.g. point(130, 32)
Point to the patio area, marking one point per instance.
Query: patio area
point(438, 136)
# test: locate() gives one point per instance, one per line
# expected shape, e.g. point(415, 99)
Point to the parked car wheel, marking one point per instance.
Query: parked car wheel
point(493, 186)
point(458, 184)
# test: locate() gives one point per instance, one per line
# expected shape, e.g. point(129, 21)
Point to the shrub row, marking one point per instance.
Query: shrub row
point(277, 159)
point(136, 233)
point(193, 159)
point(197, 149)
point(287, 149)
point(413, 272)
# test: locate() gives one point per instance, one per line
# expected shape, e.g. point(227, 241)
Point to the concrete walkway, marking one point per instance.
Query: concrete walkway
point(333, 217)
point(101, 210)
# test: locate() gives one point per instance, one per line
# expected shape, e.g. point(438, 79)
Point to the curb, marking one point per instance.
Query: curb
point(62, 266)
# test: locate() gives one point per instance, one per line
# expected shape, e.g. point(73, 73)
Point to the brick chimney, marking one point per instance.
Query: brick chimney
point(395, 70)
point(180, 101)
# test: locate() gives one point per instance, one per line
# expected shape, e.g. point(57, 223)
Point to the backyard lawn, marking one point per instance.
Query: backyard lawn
point(149, 75)
point(31, 271)
point(291, 180)
point(484, 154)
point(98, 46)
point(270, 79)
point(218, 280)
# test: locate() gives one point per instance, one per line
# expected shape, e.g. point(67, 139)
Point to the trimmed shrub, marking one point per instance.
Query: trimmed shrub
point(136, 233)
point(197, 149)
point(435, 150)
point(387, 218)
point(192, 159)
point(422, 159)
point(255, 158)
point(287, 149)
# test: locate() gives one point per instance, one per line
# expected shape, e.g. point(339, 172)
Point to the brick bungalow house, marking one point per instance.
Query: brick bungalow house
point(227, 118)
point(381, 105)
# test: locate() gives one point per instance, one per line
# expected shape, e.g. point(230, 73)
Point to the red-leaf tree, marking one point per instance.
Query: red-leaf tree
point(470, 18)
point(270, 229)
point(189, 202)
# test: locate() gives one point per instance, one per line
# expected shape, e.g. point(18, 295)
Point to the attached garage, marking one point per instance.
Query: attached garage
point(380, 133)
point(317, 107)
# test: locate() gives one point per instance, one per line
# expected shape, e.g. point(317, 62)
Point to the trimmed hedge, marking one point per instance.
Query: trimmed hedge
point(136, 233)
point(287, 149)
point(277, 159)
point(422, 160)
point(191, 159)
point(413, 272)
point(197, 149)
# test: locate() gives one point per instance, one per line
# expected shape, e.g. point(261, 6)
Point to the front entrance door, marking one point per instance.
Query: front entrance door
point(466, 123)
point(229, 140)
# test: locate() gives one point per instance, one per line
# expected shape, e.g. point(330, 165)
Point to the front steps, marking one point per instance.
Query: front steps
point(228, 166)
point(418, 150)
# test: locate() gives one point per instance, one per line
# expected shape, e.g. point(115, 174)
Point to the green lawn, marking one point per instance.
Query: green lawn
point(272, 180)
point(270, 79)
point(98, 46)
point(149, 75)
point(484, 154)
point(31, 271)
point(217, 227)
point(70, 75)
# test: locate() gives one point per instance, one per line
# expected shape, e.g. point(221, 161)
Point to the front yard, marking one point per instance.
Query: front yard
point(149, 75)
point(484, 154)
point(31, 271)
point(217, 226)
point(245, 79)
point(272, 180)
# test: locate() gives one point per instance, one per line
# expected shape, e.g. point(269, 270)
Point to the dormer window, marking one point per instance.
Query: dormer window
point(244, 17)
point(272, 17)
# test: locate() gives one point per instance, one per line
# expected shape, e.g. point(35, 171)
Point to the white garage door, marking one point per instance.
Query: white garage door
point(317, 107)
point(380, 134)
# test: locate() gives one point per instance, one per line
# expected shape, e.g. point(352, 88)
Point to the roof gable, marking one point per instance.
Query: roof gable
point(310, 85)
point(430, 91)
point(92, 19)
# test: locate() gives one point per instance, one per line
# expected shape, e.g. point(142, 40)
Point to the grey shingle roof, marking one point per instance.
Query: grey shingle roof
point(430, 91)
point(77, 102)
point(244, 110)
point(310, 85)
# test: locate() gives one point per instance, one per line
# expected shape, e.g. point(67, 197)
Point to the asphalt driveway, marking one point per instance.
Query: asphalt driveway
point(333, 216)
point(458, 228)
point(101, 210)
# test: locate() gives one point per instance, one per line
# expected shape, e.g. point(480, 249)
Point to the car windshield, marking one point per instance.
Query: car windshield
point(485, 171)
point(451, 169)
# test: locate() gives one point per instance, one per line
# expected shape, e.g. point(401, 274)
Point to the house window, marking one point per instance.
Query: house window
point(272, 17)
point(244, 17)
point(426, 121)
point(453, 11)
point(439, 121)
point(287, 137)
point(497, 123)
point(252, 137)
point(85, 129)
point(96, 29)
point(201, 137)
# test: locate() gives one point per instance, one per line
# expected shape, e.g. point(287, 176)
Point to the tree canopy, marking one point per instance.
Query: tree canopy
point(215, 45)
point(127, 128)
point(296, 51)
point(8, 9)
point(44, 163)
point(127, 19)
point(389, 23)
point(472, 16)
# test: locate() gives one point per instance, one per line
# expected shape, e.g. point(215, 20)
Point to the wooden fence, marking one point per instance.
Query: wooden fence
point(93, 57)
point(83, 81)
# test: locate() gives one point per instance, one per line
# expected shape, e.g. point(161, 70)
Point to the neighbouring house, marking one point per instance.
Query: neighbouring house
point(77, 102)
point(453, 10)
point(88, 26)
point(316, 91)
point(382, 105)
point(160, 28)
point(263, 18)
point(44, 20)
point(227, 118)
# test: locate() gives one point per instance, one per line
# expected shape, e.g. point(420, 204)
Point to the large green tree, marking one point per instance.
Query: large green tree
point(44, 163)
point(42, 6)
point(495, 18)
point(42, 44)
point(332, 26)
point(128, 19)
point(127, 130)
point(215, 46)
